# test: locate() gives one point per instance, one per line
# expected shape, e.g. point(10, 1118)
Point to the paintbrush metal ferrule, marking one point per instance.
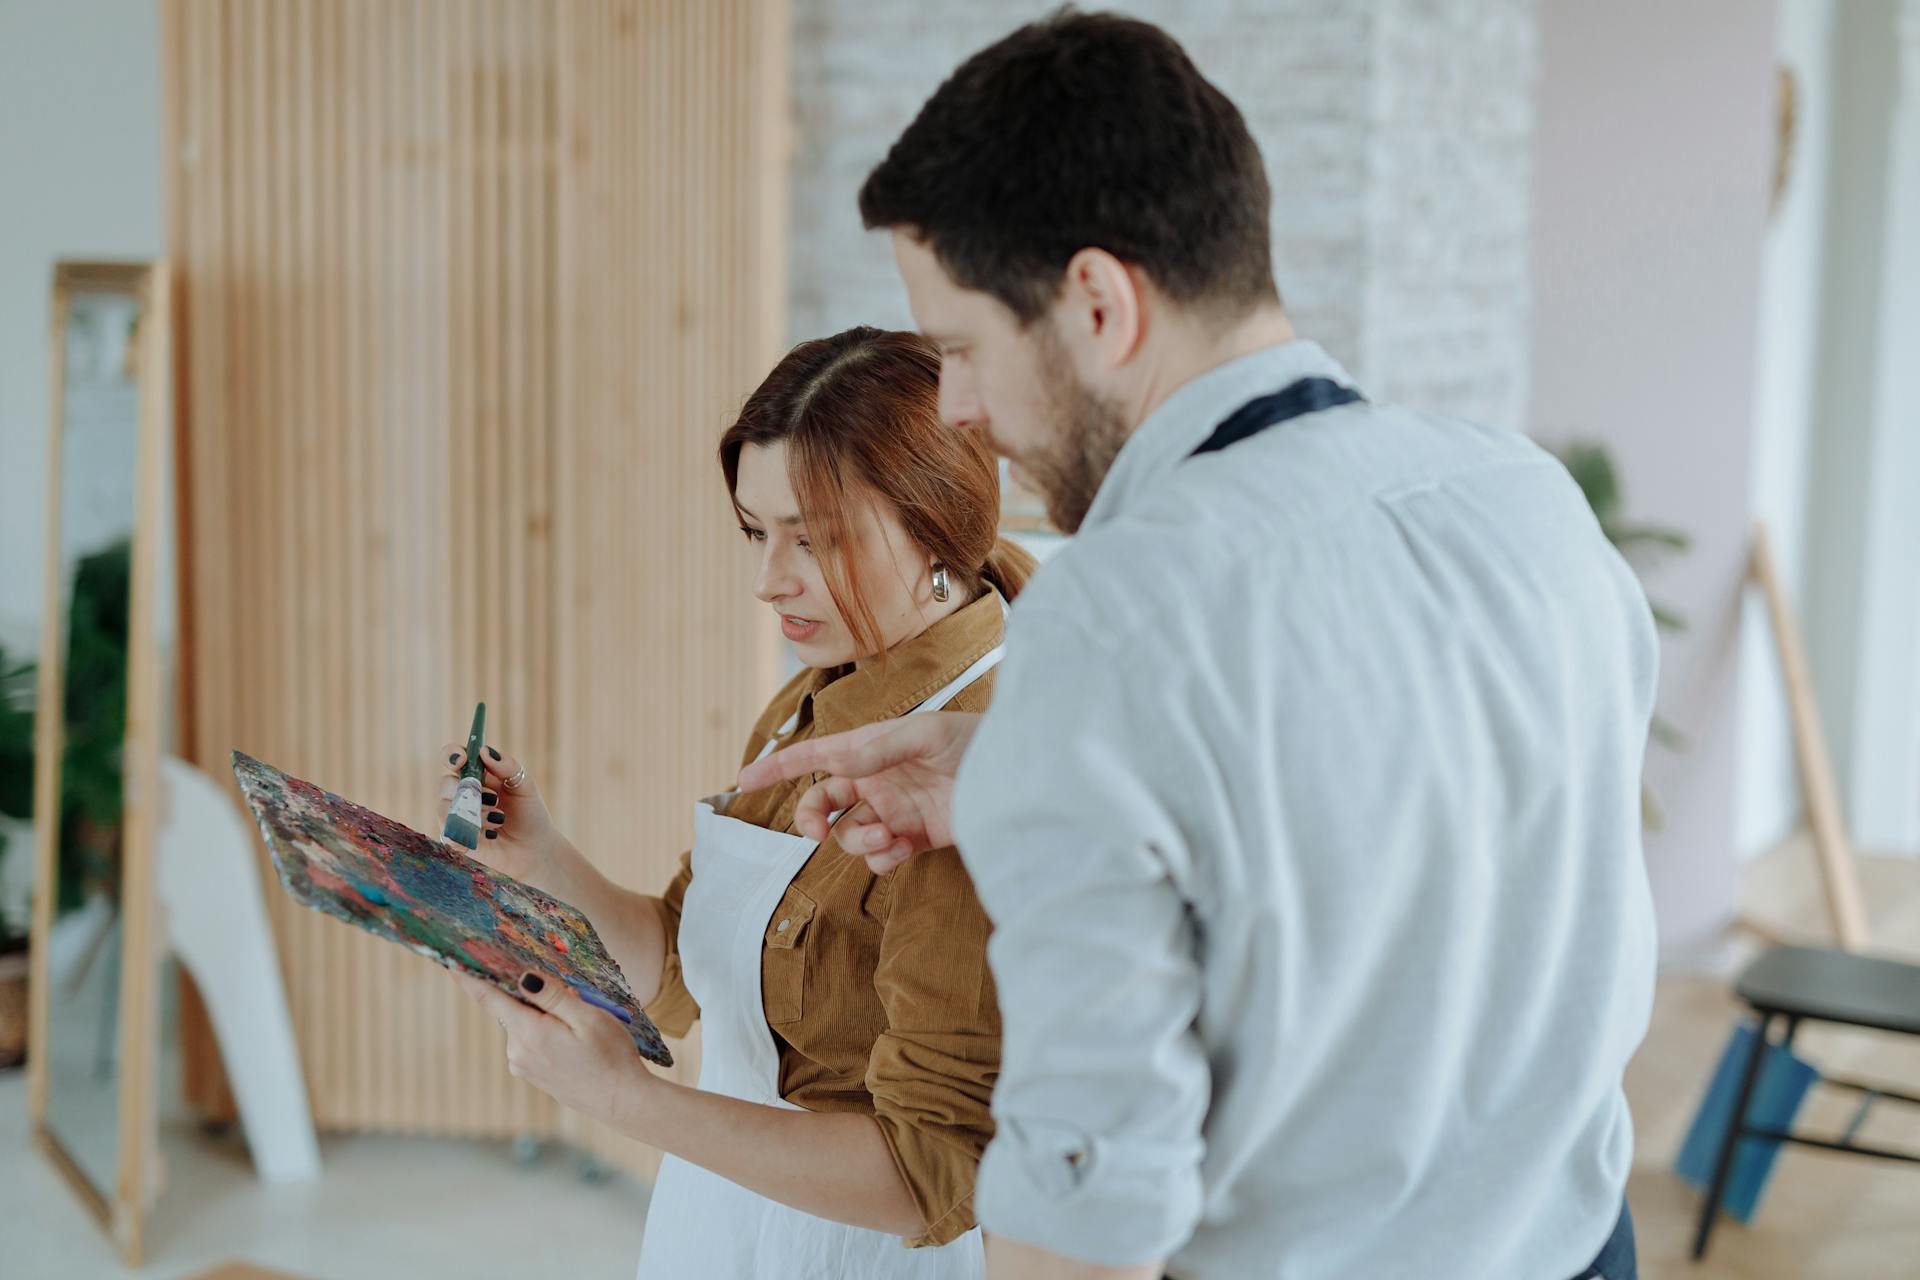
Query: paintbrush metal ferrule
point(464, 816)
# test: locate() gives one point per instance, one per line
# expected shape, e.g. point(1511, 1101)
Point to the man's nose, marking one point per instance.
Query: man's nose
point(959, 405)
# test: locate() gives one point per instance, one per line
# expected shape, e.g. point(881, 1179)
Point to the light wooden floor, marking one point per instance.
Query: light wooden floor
point(1823, 1216)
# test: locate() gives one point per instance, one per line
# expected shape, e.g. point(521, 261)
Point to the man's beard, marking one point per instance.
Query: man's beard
point(1087, 434)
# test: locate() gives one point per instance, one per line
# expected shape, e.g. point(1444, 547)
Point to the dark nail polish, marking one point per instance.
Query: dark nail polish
point(493, 835)
point(493, 753)
point(497, 818)
point(533, 982)
point(489, 797)
point(454, 758)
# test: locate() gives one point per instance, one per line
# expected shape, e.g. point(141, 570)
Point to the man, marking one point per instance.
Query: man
point(1307, 810)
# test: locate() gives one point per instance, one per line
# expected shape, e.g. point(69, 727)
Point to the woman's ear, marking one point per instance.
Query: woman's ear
point(1100, 310)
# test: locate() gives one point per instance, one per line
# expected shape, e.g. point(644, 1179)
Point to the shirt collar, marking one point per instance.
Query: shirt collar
point(1185, 418)
point(847, 697)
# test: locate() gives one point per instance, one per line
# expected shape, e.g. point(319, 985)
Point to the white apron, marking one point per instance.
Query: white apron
point(699, 1225)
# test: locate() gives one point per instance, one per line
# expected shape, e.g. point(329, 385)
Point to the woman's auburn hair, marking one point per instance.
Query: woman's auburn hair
point(860, 415)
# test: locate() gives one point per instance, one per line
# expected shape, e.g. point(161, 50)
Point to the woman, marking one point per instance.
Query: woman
point(850, 1036)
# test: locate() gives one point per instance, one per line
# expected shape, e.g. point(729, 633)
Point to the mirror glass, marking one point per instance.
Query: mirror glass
point(98, 424)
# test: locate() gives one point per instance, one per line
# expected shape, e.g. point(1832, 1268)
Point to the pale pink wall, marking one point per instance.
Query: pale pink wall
point(1653, 157)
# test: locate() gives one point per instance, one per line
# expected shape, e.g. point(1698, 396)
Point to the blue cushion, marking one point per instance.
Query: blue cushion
point(1784, 1081)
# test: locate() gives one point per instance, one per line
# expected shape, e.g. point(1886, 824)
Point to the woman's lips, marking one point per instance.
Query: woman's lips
point(798, 630)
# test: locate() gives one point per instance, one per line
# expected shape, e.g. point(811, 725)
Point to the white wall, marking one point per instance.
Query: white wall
point(1397, 136)
point(80, 172)
point(1786, 402)
point(79, 177)
point(1652, 162)
point(1298, 72)
point(1863, 590)
point(1838, 451)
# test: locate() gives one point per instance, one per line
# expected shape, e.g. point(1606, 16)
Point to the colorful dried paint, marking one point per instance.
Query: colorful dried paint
point(351, 863)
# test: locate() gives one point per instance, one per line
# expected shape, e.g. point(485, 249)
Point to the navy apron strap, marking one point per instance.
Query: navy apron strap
point(1309, 395)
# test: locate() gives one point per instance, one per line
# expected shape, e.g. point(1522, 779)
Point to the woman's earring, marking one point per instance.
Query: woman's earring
point(940, 588)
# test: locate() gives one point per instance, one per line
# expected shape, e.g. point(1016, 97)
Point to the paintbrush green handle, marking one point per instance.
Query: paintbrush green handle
point(476, 739)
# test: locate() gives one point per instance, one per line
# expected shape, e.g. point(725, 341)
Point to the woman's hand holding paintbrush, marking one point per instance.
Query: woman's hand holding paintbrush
point(521, 840)
point(520, 837)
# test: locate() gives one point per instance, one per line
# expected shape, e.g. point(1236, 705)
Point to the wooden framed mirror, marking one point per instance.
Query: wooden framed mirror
point(93, 1029)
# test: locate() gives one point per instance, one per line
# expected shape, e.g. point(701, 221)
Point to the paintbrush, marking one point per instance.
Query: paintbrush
point(463, 818)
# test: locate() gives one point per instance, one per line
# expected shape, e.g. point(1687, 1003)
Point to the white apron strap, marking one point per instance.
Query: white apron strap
point(981, 665)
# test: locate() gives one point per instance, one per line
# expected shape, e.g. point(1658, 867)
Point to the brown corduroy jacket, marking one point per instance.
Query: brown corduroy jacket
point(877, 991)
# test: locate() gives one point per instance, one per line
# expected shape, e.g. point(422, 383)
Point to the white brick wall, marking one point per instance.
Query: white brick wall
point(1450, 159)
point(1397, 136)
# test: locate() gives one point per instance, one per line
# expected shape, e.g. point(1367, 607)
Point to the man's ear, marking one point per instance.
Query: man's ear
point(1101, 307)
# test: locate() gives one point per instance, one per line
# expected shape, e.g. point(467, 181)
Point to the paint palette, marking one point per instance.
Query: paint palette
point(357, 866)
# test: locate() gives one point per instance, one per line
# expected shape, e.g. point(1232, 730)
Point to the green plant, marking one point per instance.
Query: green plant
point(16, 762)
point(95, 727)
point(1591, 467)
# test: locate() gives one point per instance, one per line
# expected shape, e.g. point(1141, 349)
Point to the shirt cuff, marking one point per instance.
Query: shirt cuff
point(942, 1225)
point(932, 1099)
point(1115, 1201)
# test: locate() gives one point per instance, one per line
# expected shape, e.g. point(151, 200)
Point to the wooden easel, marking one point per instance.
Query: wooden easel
point(1838, 876)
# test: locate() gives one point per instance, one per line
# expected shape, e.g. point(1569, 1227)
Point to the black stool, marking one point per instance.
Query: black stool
point(1819, 985)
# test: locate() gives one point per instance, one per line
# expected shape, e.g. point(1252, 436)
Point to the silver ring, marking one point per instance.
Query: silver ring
point(517, 781)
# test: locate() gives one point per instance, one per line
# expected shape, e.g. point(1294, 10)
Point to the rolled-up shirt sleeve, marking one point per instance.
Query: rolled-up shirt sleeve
point(1066, 820)
point(673, 1010)
point(932, 1069)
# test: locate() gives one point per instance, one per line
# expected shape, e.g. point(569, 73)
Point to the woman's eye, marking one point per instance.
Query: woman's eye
point(753, 535)
point(806, 546)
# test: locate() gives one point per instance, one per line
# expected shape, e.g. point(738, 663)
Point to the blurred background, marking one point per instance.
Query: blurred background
point(459, 295)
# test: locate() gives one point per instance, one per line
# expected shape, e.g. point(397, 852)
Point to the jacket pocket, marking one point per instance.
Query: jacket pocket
point(783, 962)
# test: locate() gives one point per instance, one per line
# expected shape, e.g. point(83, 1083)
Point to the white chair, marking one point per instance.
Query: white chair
point(207, 885)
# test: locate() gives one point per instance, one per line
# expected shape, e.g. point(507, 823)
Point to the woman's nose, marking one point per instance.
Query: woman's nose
point(774, 582)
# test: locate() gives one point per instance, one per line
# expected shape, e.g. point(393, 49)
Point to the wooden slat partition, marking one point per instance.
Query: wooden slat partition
point(467, 290)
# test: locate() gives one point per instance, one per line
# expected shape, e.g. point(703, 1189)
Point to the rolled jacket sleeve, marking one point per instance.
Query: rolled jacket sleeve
point(1066, 815)
point(673, 1009)
point(932, 1069)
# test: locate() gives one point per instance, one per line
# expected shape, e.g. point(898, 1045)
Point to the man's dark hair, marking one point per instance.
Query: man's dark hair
point(1082, 130)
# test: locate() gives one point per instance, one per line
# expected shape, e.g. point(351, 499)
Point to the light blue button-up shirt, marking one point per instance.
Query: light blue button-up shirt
point(1307, 813)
